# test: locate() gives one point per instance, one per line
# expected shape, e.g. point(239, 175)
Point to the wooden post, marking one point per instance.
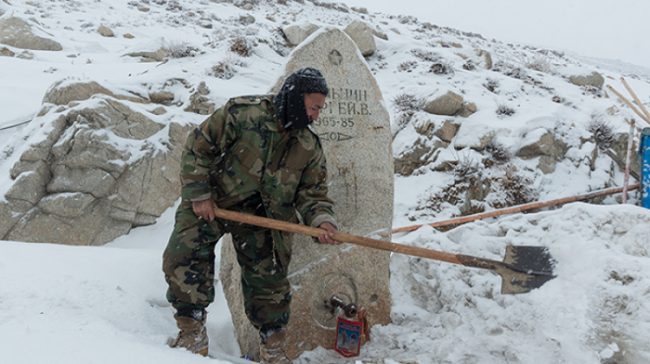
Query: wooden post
point(515, 209)
point(626, 179)
point(643, 117)
point(636, 99)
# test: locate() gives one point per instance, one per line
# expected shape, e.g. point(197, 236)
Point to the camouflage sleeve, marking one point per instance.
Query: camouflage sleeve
point(204, 148)
point(311, 201)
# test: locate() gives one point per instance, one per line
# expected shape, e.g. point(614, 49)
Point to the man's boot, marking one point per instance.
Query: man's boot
point(271, 351)
point(193, 335)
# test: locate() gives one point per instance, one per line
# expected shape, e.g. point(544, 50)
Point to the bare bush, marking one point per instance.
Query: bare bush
point(441, 68)
point(602, 132)
point(226, 69)
point(500, 154)
point(504, 110)
point(407, 105)
point(510, 70)
point(466, 169)
point(469, 65)
point(537, 62)
point(517, 188)
point(407, 66)
point(492, 84)
point(241, 46)
point(179, 50)
point(426, 56)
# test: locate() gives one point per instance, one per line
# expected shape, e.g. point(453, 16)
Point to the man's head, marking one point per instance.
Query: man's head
point(301, 97)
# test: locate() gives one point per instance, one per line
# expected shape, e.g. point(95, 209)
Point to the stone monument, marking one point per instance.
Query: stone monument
point(354, 128)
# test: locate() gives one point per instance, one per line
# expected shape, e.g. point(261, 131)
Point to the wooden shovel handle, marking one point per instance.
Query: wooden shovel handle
point(352, 239)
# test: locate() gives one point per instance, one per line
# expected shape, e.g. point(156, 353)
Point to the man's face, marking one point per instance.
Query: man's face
point(313, 104)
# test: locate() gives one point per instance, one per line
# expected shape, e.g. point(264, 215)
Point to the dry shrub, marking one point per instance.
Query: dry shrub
point(241, 46)
point(226, 69)
point(537, 62)
point(179, 50)
point(500, 154)
point(491, 84)
point(425, 55)
point(469, 65)
point(510, 70)
point(518, 189)
point(504, 110)
point(441, 68)
point(407, 105)
point(602, 132)
point(407, 66)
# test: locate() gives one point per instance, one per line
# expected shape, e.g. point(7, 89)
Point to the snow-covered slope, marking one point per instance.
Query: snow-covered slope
point(106, 304)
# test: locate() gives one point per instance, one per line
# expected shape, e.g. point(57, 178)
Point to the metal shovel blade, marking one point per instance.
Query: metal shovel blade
point(525, 268)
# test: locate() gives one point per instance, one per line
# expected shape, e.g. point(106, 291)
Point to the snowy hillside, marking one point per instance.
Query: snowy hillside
point(63, 304)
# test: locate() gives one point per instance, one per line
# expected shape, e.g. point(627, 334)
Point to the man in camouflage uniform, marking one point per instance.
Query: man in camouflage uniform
point(254, 155)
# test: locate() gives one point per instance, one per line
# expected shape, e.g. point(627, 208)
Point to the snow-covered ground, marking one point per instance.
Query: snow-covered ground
point(65, 304)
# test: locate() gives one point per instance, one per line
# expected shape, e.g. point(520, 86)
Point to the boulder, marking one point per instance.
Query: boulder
point(297, 33)
point(105, 31)
point(199, 102)
point(18, 33)
point(6, 52)
point(474, 135)
point(80, 177)
point(594, 79)
point(448, 104)
point(541, 144)
point(447, 131)
point(362, 35)
point(64, 92)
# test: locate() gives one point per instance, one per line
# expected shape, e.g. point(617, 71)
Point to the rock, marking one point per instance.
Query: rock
point(486, 58)
point(159, 111)
point(595, 79)
point(247, 19)
point(447, 104)
point(297, 33)
point(128, 36)
point(18, 33)
point(199, 103)
point(6, 52)
point(474, 135)
point(466, 109)
point(415, 157)
point(447, 131)
point(362, 35)
point(152, 56)
point(84, 188)
point(105, 31)
point(26, 55)
point(355, 132)
point(63, 92)
point(541, 144)
point(379, 34)
point(30, 185)
point(162, 97)
point(65, 204)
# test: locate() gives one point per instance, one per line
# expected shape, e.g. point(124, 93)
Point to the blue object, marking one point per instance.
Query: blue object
point(247, 357)
point(644, 160)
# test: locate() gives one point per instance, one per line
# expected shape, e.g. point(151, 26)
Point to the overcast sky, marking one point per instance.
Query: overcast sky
point(595, 28)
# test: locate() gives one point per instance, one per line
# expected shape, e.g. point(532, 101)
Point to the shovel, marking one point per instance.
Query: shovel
point(523, 268)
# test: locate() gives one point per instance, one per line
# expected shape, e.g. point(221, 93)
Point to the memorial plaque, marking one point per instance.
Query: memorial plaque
point(354, 128)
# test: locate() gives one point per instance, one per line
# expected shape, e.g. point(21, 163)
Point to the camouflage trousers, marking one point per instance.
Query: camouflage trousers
point(188, 264)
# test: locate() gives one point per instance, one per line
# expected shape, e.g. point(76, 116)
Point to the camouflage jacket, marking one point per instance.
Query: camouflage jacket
point(238, 153)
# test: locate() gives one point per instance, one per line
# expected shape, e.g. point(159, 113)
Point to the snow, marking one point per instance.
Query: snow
point(74, 304)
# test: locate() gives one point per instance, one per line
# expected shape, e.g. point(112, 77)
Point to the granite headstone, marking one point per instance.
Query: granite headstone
point(354, 128)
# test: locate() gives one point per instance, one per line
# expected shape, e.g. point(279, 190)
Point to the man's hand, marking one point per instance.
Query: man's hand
point(327, 238)
point(204, 209)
